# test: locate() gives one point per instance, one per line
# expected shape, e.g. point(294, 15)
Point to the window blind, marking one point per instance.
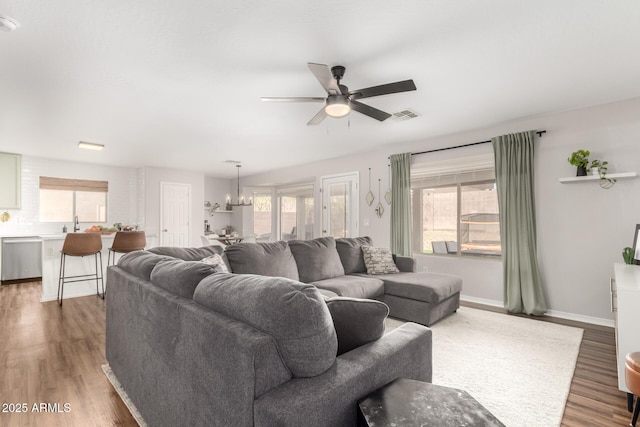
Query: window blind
point(50, 183)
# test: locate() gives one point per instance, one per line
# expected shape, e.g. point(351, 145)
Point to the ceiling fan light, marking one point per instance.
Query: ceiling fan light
point(337, 106)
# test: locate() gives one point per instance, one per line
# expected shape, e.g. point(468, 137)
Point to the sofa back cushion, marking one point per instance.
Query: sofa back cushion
point(141, 263)
point(317, 259)
point(180, 277)
point(187, 254)
point(293, 313)
point(349, 249)
point(266, 259)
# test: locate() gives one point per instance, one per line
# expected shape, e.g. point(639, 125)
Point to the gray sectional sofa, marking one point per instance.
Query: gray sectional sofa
point(293, 336)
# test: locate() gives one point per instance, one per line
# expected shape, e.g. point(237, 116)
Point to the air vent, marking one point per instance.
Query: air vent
point(232, 162)
point(404, 115)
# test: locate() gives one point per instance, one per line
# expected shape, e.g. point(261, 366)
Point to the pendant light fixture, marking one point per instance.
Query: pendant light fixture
point(240, 201)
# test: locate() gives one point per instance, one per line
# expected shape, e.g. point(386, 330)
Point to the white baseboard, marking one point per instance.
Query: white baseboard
point(552, 313)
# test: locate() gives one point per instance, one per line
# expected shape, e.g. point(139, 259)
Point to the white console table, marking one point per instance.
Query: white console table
point(625, 304)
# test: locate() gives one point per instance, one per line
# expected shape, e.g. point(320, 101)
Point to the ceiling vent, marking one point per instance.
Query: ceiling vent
point(404, 115)
point(8, 24)
point(232, 162)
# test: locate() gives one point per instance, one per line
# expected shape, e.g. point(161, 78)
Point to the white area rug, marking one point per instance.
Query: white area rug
point(123, 395)
point(519, 369)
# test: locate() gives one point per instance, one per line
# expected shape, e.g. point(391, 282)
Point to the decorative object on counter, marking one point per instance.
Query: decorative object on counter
point(580, 159)
point(5, 216)
point(64, 228)
point(599, 168)
point(627, 255)
point(388, 195)
point(101, 229)
point(379, 208)
point(369, 197)
point(240, 197)
point(636, 246)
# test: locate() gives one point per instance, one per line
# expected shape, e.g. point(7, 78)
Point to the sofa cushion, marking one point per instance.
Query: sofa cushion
point(351, 253)
point(180, 277)
point(353, 286)
point(357, 321)
point(428, 287)
point(266, 259)
point(317, 259)
point(217, 262)
point(187, 254)
point(141, 263)
point(378, 260)
point(293, 313)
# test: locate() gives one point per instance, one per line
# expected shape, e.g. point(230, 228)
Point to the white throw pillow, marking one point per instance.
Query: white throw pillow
point(217, 263)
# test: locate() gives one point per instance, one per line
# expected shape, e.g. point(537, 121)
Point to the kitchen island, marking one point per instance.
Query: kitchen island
point(51, 247)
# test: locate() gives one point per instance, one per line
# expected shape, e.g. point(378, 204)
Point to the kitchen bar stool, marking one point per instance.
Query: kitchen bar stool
point(80, 245)
point(632, 379)
point(125, 242)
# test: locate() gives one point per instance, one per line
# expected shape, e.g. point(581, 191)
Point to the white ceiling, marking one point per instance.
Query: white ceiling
point(177, 84)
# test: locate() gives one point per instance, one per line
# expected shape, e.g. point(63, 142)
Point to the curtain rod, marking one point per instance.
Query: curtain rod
point(539, 132)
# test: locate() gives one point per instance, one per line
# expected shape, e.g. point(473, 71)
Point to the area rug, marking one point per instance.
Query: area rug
point(123, 395)
point(519, 369)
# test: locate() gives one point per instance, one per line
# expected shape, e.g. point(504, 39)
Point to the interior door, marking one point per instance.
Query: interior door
point(340, 205)
point(175, 218)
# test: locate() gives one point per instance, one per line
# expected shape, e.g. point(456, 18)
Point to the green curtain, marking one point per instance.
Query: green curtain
point(401, 204)
point(514, 179)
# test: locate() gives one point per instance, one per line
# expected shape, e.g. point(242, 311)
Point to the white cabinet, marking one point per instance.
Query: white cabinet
point(10, 181)
point(625, 299)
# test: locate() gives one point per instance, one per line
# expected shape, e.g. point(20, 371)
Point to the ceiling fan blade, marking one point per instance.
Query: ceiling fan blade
point(389, 88)
point(325, 77)
point(294, 99)
point(369, 111)
point(319, 117)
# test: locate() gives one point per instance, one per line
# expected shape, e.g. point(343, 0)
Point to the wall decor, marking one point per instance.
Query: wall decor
point(379, 208)
point(387, 195)
point(369, 197)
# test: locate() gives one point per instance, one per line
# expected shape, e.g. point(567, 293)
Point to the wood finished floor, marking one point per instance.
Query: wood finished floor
point(54, 355)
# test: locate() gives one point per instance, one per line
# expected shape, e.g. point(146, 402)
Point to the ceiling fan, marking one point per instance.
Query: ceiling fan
point(340, 100)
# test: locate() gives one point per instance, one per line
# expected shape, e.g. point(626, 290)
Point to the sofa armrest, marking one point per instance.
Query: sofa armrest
point(330, 399)
point(405, 263)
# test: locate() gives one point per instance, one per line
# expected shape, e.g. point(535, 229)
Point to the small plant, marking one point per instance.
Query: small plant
point(601, 166)
point(580, 158)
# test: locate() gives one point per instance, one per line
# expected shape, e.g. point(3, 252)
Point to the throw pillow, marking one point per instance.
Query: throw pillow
point(357, 321)
point(378, 260)
point(217, 263)
point(317, 259)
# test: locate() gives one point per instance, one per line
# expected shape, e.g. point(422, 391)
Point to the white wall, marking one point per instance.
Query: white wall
point(581, 227)
point(122, 188)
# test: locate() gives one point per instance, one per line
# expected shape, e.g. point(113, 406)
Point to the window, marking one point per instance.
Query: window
point(296, 215)
point(62, 199)
point(262, 215)
point(455, 207)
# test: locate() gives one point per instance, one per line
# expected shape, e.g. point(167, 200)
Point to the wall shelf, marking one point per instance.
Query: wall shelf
point(621, 175)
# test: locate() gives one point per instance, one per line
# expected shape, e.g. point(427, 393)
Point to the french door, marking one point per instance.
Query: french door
point(340, 205)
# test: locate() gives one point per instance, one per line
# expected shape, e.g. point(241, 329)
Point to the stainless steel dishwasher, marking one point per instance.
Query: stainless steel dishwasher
point(21, 258)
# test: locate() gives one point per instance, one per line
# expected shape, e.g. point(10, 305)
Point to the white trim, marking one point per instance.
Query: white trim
point(551, 313)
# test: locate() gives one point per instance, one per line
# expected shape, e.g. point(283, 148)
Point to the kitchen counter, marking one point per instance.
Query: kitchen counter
point(51, 247)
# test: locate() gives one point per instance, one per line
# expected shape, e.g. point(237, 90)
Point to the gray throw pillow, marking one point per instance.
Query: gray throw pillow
point(317, 259)
point(379, 260)
point(357, 321)
point(293, 313)
point(351, 253)
point(180, 277)
point(266, 259)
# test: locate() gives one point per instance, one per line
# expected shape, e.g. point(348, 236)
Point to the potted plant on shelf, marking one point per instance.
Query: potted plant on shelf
point(599, 167)
point(580, 159)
